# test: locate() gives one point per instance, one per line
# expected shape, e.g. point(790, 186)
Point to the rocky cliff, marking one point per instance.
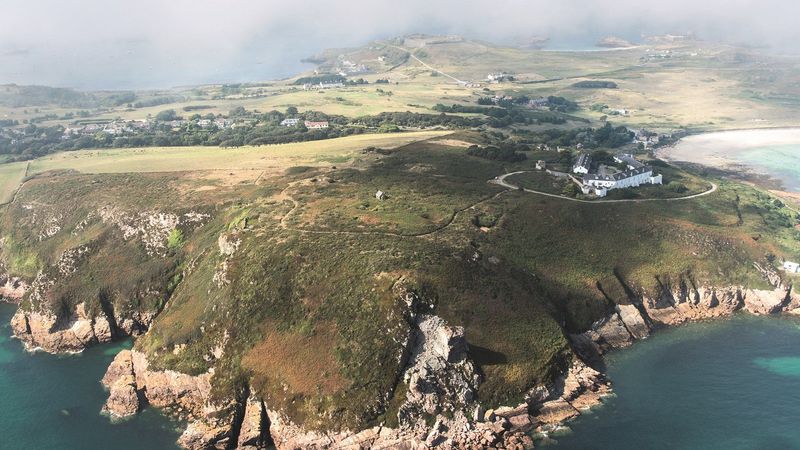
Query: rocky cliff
point(441, 381)
point(670, 306)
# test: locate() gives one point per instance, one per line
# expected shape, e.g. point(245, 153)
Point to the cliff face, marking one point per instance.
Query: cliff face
point(440, 376)
point(670, 307)
point(94, 272)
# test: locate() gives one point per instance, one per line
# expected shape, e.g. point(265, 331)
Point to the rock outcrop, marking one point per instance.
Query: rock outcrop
point(669, 307)
point(12, 289)
point(440, 377)
point(48, 332)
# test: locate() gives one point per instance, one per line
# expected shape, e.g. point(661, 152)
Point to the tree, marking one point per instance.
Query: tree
point(570, 190)
point(167, 115)
point(291, 111)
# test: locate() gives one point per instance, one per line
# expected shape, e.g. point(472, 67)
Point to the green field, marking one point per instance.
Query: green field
point(11, 176)
point(271, 157)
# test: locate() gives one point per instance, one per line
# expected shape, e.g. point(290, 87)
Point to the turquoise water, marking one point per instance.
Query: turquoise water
point(730, 384)
point(780, 161)
point(53, 402)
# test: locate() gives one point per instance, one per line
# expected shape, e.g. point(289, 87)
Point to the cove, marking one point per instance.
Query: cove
point(726, 384)
point(49, 401)
point(772, 153)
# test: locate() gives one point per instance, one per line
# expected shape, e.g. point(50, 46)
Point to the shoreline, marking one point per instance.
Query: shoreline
point(717, 150)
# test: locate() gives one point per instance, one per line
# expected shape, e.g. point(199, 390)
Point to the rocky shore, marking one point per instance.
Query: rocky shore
point(669, 307)
point(440, 376)
point(441, 379)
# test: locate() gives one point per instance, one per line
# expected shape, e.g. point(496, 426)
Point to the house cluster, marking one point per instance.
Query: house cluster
point(498, 77)
point(292, 122)
point(541, 102)
point(13, 134)
point(646, 138)
point(347, 67)
point(469, 84)
point(116, 127)
point(121, 127)
point(605, 178)
point(321, 85)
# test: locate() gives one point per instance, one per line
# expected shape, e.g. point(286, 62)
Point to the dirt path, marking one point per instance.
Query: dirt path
point(439, 228)
point(426, 65)
point(501, 181)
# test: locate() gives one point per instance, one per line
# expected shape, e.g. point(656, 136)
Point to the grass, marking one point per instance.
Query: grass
point(273, 158)
point(11, 175)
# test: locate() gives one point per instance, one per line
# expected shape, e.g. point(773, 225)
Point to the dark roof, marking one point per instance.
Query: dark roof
point(619, 175)
point(630, 160)
point(584, 160)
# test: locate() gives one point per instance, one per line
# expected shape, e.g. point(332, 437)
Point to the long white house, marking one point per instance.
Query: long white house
point(637, 174)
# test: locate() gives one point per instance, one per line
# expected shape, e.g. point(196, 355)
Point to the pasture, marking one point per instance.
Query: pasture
point(11, 175)
point(263, 158)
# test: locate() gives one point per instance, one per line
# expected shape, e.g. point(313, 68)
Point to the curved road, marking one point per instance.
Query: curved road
point(501, 181)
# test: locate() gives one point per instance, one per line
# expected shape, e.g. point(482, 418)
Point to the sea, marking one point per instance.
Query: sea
point(54, 402)
point(782, 162)
point(724, 384)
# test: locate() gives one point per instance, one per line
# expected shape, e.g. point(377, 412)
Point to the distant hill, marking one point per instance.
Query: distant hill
point(16, 96)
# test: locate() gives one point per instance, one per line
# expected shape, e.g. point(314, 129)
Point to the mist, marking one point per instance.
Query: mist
point(93, 44)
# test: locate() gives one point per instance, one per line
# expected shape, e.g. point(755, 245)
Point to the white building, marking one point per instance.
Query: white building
point(619, 180)
point(791, 267)
point(309, 86)
point(315, 125)
point(541, 165)
point(600, 183)
point(582, 164)
point(290, 122)
point(380, 195)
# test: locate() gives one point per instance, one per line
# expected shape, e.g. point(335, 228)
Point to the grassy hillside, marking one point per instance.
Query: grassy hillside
point(298, 285)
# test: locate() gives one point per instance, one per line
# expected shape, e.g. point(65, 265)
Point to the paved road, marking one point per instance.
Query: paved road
point(501, 181)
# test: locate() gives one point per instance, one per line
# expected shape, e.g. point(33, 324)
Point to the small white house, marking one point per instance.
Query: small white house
point(290, 122)
point(541, 165)
point(380, 195)
point(791, 267)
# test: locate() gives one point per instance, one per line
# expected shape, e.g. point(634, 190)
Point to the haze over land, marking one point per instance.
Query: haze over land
point(89, 44)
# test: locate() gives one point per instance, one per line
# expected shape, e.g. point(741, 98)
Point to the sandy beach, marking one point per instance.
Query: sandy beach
point(763, 156)
point(719, 148)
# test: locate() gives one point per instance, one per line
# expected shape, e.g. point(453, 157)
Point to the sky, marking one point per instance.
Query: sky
point(107, 44)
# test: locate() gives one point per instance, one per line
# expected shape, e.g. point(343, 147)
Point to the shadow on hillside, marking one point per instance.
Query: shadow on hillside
point(486, 357)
